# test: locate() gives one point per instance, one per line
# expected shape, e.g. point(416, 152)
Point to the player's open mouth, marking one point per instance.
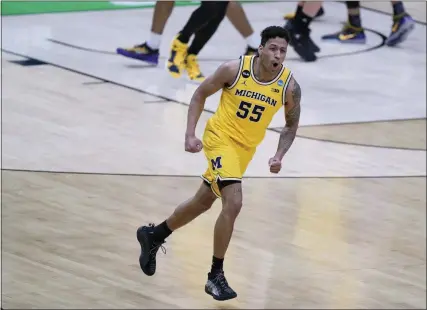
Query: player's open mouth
point(275, 64)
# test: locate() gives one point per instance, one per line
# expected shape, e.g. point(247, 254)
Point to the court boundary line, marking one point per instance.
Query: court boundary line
point(355, 143)
point(198, 175)
point(169, 99)
point(367, 122)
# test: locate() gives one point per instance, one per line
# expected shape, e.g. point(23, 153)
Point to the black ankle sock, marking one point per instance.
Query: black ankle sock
point(299, 13)
point(161, 232)
point(184, 38)
point(302, 21)
point(352, 5)
point(299, 10)
point(398, 8)
point(217, 264)
point(354, 20)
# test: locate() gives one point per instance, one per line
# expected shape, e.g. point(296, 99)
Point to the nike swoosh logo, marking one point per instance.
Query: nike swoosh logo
point(395, 27)
point(346, 36)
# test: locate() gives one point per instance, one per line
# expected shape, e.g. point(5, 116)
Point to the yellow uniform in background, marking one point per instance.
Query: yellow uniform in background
point(245, 111)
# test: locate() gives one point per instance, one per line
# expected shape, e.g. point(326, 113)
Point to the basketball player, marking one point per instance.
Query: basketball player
point(253, 90)
point(299, 30)
point(149, 50)
point(353, 31)
point(203, 23)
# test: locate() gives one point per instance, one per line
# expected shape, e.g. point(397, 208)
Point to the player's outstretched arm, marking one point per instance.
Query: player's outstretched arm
point(292, 115)
point(224, 75)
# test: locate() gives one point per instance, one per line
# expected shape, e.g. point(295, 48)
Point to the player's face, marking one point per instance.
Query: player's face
point(273, 53)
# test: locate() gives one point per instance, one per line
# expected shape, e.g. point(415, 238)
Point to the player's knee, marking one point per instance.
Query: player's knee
point(232, 197)
point(232, 207)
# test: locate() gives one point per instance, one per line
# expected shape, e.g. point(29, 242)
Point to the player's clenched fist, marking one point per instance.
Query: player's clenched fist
point(275, 165)
point(192, 144)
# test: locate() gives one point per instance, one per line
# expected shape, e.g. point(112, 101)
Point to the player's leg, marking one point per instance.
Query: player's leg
point(230, 189)
point(403, 24)
point(352, 32)
point(299, 31)
point(162, 12)
point(202, 36)
point(231, 193)
point(152, 237)
point(192, 208)
point(300, 5)
point(207, 11)
point(149, 50)
point(238, 18)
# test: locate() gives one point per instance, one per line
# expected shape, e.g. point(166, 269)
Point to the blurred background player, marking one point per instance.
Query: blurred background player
point(203, 23)
point(353, 31)
point(299, 30)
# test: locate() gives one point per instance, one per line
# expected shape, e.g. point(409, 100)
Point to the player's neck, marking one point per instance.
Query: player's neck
point(261, 73)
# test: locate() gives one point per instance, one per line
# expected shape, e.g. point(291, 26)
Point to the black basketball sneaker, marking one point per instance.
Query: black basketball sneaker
point(149, 248)
point(217, 286)
point(302, 42)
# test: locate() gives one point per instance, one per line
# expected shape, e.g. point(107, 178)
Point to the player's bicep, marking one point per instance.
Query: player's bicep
point(213, 83)
point(292, 104)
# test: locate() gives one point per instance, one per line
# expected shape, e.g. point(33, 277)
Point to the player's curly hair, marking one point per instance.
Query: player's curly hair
point(272, 32)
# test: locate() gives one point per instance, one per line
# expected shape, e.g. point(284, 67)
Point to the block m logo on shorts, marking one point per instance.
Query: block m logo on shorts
point(216, 164)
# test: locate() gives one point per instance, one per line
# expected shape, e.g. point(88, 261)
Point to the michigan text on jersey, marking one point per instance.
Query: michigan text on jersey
point(256, 96)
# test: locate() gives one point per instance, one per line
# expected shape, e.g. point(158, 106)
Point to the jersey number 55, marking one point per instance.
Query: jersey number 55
point(255, 111)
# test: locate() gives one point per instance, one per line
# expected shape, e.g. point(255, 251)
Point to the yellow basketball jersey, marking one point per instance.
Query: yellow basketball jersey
point(247, 107)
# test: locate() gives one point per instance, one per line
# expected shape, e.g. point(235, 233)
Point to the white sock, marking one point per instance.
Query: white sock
point(154, 40)
point(254, 40)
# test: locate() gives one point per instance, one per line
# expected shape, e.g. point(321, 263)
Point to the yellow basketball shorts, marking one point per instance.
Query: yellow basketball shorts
point(227, 159)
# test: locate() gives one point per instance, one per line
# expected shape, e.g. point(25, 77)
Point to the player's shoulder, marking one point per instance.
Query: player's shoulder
point(231, 67)
point(229, 70)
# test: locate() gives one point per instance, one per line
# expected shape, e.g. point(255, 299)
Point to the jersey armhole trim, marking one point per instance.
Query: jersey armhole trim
point(285, 88)
point(238, 73)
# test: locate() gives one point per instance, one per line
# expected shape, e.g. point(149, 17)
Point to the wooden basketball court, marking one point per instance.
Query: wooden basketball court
point(92, 148)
